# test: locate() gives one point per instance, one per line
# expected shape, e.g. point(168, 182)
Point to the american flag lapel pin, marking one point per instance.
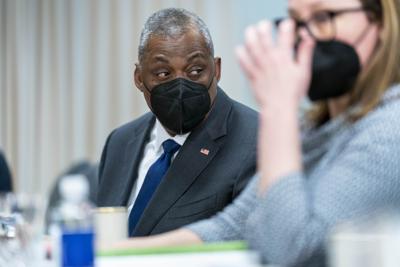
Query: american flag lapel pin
point(205, 151)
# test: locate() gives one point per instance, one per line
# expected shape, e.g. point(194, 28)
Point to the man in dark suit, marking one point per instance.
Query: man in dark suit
point(5, 175)
point(194, 153)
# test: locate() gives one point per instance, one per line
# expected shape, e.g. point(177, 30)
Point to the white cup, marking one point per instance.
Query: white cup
point(111, 225)
point(367, 244)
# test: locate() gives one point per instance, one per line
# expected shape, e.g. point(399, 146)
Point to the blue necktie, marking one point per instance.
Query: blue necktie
point(153, 178)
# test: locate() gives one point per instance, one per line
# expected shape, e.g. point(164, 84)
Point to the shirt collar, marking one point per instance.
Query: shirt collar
point(161, 135)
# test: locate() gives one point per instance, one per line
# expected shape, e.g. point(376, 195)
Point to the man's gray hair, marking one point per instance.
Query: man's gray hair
point(173, 22)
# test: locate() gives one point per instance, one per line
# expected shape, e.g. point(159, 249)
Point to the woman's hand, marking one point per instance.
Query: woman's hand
point(279, 80)
point(178, 237)
point(276, 75)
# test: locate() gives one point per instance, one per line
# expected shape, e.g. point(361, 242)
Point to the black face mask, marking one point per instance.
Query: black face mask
point(180, 105)
point(334, 71)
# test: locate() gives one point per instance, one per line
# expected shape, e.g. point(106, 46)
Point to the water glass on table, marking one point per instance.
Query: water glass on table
point(21, 229)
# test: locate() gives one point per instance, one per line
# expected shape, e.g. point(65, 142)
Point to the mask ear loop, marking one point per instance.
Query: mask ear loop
point(368, 14)
point(212, 79)
point(362, 36)
point(209, 85)
point(145, 87)
point(299, 25)
point(208, 88)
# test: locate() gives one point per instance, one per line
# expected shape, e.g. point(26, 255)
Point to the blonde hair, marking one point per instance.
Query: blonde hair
point(382, 71)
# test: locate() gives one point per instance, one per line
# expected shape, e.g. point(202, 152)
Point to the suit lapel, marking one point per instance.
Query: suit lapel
point(196, 153)
point(132, 158)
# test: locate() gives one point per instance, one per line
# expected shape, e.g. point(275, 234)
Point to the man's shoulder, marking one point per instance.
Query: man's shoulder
point(128, 129)
point(245, 116)
point(242, 123)
point(240, 110)
point(244, 110)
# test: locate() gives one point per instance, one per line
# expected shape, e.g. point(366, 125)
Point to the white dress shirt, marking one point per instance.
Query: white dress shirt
point(152, 151)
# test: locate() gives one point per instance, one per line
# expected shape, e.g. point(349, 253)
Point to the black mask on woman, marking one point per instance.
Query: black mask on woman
point(335, 68)
point(180, 105)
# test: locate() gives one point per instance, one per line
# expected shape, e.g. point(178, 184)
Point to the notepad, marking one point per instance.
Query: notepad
point(210, 247)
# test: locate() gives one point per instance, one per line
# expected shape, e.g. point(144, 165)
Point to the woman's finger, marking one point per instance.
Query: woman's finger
point(246, 62)
point(264, 31)
point(286, 36)
point(305, 50)
point(253, 45)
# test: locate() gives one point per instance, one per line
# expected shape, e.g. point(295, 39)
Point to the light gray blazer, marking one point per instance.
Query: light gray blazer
point(350, 170)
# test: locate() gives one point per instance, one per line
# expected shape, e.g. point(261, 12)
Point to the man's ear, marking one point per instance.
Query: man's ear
point(137, 76)
point(217, 64)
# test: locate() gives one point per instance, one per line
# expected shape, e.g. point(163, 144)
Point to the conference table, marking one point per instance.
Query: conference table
point(232, 254)
point(204, 259)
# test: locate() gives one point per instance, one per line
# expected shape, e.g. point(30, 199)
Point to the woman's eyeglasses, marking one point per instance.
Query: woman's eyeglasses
point(321, 25)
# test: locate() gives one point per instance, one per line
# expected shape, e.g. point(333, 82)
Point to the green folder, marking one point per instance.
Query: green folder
point(210, 247)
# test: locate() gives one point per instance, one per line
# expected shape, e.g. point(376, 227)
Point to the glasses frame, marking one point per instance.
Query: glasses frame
point(332, 15)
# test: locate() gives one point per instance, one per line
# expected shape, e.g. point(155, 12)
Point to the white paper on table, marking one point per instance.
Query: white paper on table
point(208, 259)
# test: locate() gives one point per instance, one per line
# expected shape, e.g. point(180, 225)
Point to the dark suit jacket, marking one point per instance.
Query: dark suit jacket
point(5, 175)
point(196, 186)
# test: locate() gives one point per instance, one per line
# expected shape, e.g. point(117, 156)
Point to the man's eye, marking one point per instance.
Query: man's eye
point(162, 74)
point(196, 71)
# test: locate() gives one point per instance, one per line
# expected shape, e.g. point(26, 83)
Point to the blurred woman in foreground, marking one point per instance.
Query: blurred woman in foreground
point(343, 159)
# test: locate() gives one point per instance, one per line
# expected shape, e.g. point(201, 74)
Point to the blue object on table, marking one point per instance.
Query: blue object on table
point(77, 248)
